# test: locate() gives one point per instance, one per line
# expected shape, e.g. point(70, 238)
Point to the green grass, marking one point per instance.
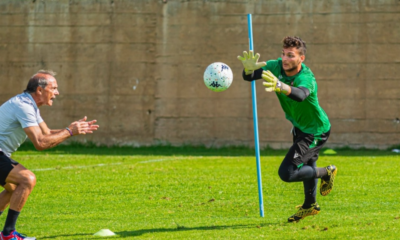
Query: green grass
point(199, 193)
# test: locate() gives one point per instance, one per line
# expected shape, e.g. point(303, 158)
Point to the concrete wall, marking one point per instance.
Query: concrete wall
point(137, 66)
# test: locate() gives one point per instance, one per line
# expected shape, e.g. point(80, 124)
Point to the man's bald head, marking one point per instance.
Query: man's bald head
point(39, 79)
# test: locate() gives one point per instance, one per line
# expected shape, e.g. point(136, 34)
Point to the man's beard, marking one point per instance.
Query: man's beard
point(293, 68)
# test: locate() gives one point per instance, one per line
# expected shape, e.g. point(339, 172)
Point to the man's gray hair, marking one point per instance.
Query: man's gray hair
point(38, 79)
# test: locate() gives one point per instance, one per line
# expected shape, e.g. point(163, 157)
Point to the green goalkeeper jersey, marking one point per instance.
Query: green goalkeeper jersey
point(307, 115)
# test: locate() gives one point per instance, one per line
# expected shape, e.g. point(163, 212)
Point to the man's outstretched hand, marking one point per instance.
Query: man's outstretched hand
point(83, 126)
point(272, 83)
point(250, 62)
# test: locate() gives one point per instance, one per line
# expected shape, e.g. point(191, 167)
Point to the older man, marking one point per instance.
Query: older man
point(20, 118)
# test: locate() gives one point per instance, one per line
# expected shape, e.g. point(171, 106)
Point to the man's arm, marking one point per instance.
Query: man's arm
point(44, 138)
point(257, 74)
point(46, 130)
point(299, 94)
point(272, 83)
point(43, 141)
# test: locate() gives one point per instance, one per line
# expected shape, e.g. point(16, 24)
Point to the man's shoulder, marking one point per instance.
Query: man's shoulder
point(305, 79)
point(23, 100)
point(306, 73)
point(306, 70)
point(20, 102)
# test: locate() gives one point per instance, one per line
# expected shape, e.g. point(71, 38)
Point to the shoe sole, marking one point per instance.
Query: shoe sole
point(313, 213)
point(327, 191)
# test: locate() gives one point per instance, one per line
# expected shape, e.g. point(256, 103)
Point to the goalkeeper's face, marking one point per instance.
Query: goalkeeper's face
point(291, 59)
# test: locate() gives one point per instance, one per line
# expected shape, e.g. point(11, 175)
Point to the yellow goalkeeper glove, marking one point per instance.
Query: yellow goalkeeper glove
point(272, 83)
point(250, 62)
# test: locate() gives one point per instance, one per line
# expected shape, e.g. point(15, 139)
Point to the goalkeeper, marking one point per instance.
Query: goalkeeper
point(296, 88)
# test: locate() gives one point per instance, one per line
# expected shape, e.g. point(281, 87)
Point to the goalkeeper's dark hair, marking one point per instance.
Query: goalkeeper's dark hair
point(296, 42)
point(38, 79)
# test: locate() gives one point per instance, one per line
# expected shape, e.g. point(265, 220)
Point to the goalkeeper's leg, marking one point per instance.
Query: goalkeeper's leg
point(310, 189)
point(299, 165)
point(307, 174)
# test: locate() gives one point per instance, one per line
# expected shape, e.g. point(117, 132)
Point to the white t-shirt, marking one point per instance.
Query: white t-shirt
point(16, 114)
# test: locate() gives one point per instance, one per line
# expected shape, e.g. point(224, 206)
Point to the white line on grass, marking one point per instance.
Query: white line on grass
point(156, 160)
point(74, 167)
point(167, 159)
point(106, 164)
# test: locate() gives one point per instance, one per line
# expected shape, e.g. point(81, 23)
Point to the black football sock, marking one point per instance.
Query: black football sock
point(321, 172)
point(11, 220)
point(309, 199)
point(310, 192)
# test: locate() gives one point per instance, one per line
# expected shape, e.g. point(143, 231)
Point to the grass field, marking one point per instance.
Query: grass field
point(199, 193)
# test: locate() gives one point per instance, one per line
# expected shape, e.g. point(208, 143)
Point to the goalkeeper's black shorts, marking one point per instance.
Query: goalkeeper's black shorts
point(306, 147)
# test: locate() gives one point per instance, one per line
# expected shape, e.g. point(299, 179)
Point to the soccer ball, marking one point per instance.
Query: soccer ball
point(218, 76)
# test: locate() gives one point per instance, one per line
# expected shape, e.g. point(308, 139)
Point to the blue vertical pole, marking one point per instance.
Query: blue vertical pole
point(255, 123)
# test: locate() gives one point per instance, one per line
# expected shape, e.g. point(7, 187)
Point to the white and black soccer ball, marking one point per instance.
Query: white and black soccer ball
point(218, 76)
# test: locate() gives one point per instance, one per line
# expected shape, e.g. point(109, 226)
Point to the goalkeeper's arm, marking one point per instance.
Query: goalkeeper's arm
point(253, 76)
point(298, 94)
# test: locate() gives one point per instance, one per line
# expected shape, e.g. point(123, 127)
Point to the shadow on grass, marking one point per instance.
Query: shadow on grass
point(160, 230)
point(164, 150)
point(67, 235)
point(182, 229)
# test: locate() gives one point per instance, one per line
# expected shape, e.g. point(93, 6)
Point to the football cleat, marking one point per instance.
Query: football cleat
point(327, 182)
point(14, 235)
point(304, 212)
